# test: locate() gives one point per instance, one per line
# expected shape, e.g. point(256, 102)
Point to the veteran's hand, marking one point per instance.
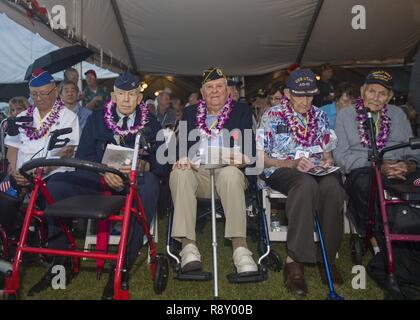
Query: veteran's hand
point(183, 164)
point(326, 163)
point(66, 152)
point(397, 170)
point(113, 181)
point(302, 164)
point(20, 180)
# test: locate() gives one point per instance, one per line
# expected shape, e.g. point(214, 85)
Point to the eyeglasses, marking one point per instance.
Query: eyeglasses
point(276, 98)
point(40, 95)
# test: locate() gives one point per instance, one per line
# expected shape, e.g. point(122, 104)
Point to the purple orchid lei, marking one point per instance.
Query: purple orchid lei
point(221, 120)
point(110, 123)
point(36, 134)
point(303, 136)
point(384, 126)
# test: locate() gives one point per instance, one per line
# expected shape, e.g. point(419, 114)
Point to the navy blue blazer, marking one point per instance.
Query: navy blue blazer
point(95, 137)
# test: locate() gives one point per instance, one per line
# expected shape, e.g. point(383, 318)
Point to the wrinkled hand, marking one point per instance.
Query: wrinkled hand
point(113, 181)
point(66, 152)
point(303, 164)
point(326, 163)
point(395, 170)
point(125, 169)
point(183, 164)
point(20, 180)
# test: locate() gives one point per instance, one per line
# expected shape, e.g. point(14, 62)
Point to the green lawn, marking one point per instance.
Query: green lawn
point(86, 287)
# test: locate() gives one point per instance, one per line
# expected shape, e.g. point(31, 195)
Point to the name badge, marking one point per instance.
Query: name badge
point(302, 153)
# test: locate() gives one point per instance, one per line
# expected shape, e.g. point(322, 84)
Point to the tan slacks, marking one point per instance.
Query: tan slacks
point(187, 185)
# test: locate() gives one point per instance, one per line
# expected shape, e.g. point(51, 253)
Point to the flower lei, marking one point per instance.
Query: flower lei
point(36, 134)
point(384, 126)
point(221, 120)
point(303, 136)
point(110, 123)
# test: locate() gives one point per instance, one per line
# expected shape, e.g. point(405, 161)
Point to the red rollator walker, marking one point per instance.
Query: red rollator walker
point(105, 208)
point(401, 194)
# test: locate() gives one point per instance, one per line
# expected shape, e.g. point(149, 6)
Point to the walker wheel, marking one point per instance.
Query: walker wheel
point(162, 273)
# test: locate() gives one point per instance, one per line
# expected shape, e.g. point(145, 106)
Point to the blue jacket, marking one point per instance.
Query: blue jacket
point(95, 137)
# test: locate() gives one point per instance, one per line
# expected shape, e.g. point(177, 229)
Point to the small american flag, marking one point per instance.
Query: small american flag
point(5, 184)
point(416, 182)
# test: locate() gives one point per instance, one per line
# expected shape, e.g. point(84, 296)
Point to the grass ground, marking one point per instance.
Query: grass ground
point(86, 287)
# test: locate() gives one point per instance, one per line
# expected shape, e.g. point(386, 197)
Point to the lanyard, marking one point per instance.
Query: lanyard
point(377, 124)
point(213, 124)
point(306, 125)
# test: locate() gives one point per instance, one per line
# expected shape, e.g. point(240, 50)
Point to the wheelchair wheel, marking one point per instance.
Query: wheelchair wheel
point(274, 261)
point(357, 249)
point(161, 275)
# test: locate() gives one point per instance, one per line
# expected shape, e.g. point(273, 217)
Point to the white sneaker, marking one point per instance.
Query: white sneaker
point(242, 258)
point(190, 258)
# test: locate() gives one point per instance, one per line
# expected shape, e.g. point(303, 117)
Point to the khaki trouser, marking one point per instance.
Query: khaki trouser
point(187, 185)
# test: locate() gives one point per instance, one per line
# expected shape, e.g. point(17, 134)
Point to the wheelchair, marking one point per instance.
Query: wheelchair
point(104, 208)
point(256, 222)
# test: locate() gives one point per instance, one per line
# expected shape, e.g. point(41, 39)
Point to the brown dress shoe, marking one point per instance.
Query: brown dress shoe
point(294, 279)
point(337, 279)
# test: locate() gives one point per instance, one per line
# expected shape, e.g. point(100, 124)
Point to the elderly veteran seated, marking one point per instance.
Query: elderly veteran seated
point(49, 113)
point(294, 138)
point(391, 126)
point(208, 120)
point(117, 123)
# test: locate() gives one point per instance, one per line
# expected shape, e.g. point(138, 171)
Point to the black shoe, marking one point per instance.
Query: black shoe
point(108, 293)
point(45, 282)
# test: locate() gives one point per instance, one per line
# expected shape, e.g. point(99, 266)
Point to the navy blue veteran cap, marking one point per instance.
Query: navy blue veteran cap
point(302, 82)
point(126, 81)
point(213, 74)
point(380, 77)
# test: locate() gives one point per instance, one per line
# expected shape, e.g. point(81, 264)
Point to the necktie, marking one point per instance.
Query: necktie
point(124, 127)
point(125, 123)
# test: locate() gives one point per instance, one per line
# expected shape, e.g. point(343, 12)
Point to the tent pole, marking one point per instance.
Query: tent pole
point(79, 34)
point(242, 90)
point(309, 31)
point(124, 35)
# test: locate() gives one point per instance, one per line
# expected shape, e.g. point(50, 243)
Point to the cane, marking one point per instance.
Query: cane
point(332, 295)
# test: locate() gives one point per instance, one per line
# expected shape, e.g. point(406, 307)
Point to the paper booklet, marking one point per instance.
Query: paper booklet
point(117, 156)
point(216, 155)
point(321, 171)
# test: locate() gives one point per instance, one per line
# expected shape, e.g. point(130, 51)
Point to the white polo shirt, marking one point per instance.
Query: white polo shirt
point(28, 148)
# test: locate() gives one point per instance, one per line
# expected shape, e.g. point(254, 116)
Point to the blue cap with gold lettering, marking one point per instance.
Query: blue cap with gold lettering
point(302, 82)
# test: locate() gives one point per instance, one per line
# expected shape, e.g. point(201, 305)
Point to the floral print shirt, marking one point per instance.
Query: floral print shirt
point(277, 140)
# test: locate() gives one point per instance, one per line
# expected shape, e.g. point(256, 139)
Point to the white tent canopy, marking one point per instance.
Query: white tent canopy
point(22, 48)
point(246, 37)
